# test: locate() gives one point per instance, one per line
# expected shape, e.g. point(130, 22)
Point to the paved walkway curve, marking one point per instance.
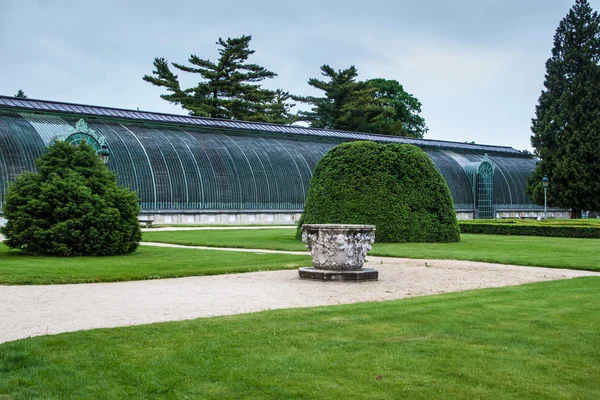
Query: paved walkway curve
point(39, 310)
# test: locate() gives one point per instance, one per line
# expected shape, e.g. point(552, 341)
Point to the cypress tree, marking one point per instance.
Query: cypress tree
point(566, 128)
point(21, 94)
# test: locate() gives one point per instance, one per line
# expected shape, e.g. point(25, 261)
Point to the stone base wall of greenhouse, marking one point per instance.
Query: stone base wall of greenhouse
point(222, 217)
point(290, 217)
point(286, 217)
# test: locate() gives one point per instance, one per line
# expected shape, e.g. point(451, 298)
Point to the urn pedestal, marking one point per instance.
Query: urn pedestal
point(338, 252)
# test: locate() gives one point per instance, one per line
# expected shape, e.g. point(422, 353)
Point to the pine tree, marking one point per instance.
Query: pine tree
point(228, 88)
point(21, 94)
point(278, 111)
point(374, 106)
point(566, 128)
point(347, 104)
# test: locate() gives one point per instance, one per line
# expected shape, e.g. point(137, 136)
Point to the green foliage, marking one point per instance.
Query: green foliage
point(347, 105)
point(536, 341)
point(512, 228)
point(374, 106)
point(405, 119)
point(72, 206)
point(393, 186)
point(21, 94)
point(148, 262)
point(228, 88)
point(566, 128)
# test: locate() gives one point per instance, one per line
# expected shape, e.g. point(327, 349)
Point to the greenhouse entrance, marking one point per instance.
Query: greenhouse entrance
point(481, 177)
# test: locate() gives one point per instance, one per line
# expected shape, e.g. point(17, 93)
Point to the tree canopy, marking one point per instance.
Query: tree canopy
point(566, 127)
point(228, 87)
point(21, 94)
point(374, 106)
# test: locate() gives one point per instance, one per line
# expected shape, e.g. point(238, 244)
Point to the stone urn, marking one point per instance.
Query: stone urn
point(338, 251)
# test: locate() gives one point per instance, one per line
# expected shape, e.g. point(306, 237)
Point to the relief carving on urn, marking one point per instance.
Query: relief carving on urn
point(338, 248)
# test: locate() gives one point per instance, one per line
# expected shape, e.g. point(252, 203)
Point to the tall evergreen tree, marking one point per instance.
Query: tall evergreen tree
point(278, 111)
point(375, 106)
point(21, 94)
point(566, 128)
point(228, 88)
point(347, 105)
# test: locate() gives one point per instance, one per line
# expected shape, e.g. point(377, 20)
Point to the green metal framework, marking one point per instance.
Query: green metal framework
point(184, 168)
point(481, 180)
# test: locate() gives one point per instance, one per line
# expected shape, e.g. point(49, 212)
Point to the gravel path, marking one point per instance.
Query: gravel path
point(38, 310)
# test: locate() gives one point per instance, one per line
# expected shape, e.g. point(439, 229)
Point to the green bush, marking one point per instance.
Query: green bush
point(71, 207)
point(393, 186)
point(574, 231)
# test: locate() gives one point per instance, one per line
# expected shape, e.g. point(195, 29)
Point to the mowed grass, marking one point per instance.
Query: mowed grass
point(519, 250)
point(570, 253)
point(274, 239)
point(535, 341)
point(18, 268)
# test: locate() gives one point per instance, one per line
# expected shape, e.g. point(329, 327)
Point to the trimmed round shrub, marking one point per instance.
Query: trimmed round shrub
point(72, 206)
point(392, 186)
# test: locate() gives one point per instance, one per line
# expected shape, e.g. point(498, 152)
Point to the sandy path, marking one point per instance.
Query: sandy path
point(38, 310)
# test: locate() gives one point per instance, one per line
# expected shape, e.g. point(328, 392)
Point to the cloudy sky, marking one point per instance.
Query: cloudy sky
point(476, 65)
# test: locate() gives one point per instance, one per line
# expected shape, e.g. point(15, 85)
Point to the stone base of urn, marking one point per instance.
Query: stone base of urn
point(338, 252)
point(365, 274)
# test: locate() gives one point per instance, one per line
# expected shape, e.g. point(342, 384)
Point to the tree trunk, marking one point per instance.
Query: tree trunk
point(575, 214)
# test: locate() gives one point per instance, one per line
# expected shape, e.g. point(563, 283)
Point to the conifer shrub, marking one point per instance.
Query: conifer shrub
point(392, 186)
point(72, 206)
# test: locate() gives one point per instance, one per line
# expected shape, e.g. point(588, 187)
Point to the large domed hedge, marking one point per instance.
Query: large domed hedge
point(393, 186)
point(71, 207)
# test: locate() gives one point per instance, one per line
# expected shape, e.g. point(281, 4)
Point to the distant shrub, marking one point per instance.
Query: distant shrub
point(501, 228)
point(392, 186)
point(71, 207)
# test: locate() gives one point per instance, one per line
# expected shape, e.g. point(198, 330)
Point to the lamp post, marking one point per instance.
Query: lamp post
point(545, 181)
point(103, 153)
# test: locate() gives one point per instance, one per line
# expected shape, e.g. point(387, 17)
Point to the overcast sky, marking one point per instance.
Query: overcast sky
point(477, 66)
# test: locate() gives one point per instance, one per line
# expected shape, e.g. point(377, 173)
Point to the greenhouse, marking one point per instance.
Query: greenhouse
point(201, 170)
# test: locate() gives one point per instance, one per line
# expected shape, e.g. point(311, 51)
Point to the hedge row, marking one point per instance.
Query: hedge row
point(531, 230)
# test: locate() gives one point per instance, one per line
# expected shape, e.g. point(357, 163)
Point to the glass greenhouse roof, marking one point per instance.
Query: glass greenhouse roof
point(178, 163)
point(32, 105)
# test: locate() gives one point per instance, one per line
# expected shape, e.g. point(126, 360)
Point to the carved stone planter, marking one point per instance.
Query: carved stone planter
point(338, 251)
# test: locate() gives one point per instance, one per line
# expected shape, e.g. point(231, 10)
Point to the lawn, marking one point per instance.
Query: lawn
point(520, 250)
point(18, 268)
point(534, 341)
point(275, 239)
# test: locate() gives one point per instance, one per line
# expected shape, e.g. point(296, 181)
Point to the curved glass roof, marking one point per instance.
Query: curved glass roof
point(176, 167)
point(27, 104)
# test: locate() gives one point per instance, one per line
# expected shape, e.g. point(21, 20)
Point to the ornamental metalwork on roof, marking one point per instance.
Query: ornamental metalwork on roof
point(81, 133)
